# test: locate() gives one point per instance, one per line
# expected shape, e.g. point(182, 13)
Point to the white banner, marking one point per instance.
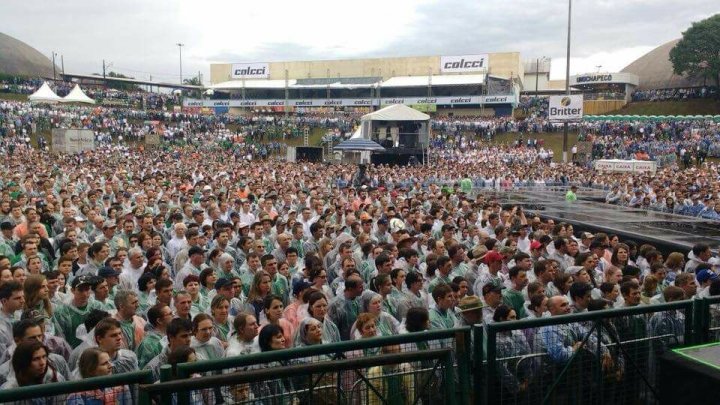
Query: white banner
point(72, 140)
point(352, 102)
point(464, 63)
point(258, 70)
point(566, 108)
point(617, 165)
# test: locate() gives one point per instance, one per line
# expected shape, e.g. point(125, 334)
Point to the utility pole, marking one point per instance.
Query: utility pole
point(54, 72)
point(180, 45)
point(103, 69)
point(62, 64)
point(537, 74)
point(567, 81)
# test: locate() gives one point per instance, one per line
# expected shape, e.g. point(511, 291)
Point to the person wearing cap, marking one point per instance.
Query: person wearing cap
point(491, 272)
point(194, 265)
point(226, 287)
point(469, 311)
point(704, 276)
point(492, 295)
point(69, 316)
point(108, 236)
point(586, 239)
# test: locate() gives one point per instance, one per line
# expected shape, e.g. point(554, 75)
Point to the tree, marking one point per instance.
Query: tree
point(698, 52)
point(195, 81)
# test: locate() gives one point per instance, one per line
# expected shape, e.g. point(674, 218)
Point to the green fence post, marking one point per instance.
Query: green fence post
point(478, 368)
point(143, 395)
point(449, 376)
point(165, 375)
point(694, 322)
point(490, 369)
point(464, 351)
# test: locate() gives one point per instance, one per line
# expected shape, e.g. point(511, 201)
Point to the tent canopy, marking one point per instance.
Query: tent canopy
point(44, 95)
point(77, 96)
point(396, 112)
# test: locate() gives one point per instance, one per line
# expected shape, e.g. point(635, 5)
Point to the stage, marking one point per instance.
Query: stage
point(691, 373)
point(668, 232)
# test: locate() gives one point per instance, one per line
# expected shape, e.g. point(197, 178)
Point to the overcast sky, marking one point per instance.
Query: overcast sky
point(139, 36)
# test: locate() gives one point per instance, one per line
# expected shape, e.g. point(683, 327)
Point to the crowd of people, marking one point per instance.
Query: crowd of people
point(116, 260)
point(676, 94)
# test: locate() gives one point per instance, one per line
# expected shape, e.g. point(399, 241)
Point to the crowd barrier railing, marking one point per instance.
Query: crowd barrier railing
point(598, 357)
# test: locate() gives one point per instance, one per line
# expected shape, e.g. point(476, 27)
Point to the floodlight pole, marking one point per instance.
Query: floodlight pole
point(180, 45)
point(567, 82)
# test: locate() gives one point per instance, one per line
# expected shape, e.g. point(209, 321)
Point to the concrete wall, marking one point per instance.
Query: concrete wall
point(500, 64)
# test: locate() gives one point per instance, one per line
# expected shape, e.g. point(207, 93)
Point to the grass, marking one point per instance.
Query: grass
point(13, 97)
point(689, 107)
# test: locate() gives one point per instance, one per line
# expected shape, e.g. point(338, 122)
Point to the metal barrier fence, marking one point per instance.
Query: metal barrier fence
point(594, 357)
point(456, 339)
point(381, 379)
point(602, 357)
point(113, 389)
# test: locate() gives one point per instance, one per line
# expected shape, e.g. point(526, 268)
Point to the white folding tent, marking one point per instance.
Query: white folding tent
point(44, 95)
point(77, 96)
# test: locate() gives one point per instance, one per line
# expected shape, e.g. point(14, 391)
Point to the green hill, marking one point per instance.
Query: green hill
point(689, 107)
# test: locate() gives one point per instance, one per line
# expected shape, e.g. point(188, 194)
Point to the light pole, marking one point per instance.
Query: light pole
point(567, 82)
point(180, 48)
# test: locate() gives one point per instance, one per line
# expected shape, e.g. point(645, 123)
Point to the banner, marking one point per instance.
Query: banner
point(566, 108)
point(258, 70)
point(464, 63)
point(352, 102)
point(72, 140)
point(617, 165)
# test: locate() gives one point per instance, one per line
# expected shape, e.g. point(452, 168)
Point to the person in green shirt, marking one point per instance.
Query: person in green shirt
point(513, 297)
point(442, 315)
point(69, 316)
point(571, 195)
point(466, 184)
point(159, 317)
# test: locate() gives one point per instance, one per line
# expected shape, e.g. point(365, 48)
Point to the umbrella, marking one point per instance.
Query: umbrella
point(358, 144)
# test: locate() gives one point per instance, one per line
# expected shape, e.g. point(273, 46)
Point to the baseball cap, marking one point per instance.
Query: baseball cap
point(108, 272)
point(222, 282)
point(586, 235)
point(470, 303)
point(195, 250)
point(243, 225)
point(299, 285)
point(492, 287)
point(83, 280)
point(492, 256)
point(572, 270)
point(382, 221)
point(705, 275)
point(109, 224)
point(535, 245)
point(197, 212)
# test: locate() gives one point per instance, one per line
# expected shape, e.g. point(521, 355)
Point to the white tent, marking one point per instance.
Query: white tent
point(77, 96)
point(396, 112)
point(44, 95)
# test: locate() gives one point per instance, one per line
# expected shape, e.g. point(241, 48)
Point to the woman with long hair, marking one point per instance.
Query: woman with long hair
point(222, 320)
point(94, 362)
point(317, 308)
point(37, 295)
point(318, 279)
point(31, 366)
point(259, 289)
point(620, 256)
point(273, 310)
point(271, 338)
